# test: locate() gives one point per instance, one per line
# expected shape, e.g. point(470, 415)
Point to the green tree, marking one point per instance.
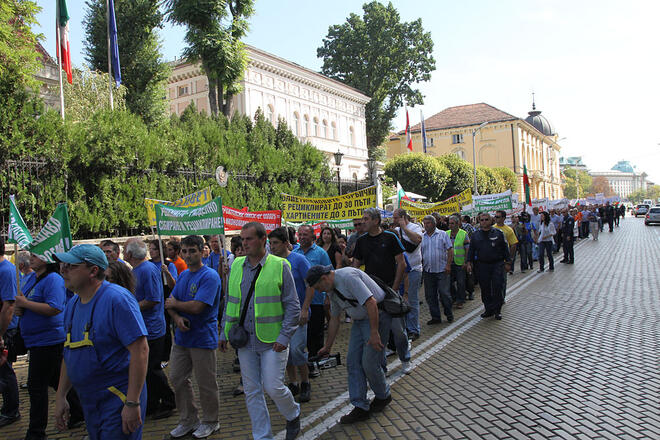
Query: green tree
point(488, 181)
point(384, 58)
point(460, 175)
point(577, 183)
point(18, 44)
point(214, 32)
point(143, 72)
point(508, 177)
point(419, 173)
point(89, 93)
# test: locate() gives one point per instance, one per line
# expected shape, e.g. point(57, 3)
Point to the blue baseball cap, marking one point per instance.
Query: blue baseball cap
point(83, 253)
point(315, 273)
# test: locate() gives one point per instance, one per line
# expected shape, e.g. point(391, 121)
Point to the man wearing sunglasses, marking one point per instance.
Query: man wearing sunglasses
point(489, 254)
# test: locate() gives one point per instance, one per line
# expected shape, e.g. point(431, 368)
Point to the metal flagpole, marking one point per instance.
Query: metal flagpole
point(107, 15)
point(59, 57)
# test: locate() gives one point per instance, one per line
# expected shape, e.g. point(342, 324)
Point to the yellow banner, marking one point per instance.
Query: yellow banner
point(351, 205)
point(418, 210)
point(195, 199)
point(463, 198)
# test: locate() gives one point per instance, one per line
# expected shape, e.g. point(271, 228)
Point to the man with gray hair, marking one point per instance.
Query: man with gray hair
point(149, 295)
point(437, 257)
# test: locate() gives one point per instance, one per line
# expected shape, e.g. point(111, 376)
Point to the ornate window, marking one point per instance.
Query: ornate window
point(351, 132)
point(316, 127)
point(305, 128)
point(296, 121)
point(457, 139)
point(333, 132)
point(270, 114)
point(324, 129)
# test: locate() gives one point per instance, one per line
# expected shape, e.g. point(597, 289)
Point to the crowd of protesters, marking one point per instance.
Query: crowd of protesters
point(102, 330)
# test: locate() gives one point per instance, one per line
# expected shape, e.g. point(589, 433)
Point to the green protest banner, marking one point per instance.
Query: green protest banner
point(18, 232)
point(55, 236)
point(205, 219)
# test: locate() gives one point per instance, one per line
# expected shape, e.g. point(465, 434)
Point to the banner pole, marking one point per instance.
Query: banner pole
point(162, 257)
point(18, 276)
point(221, 263)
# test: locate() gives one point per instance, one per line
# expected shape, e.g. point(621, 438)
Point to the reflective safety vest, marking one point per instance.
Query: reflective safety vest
point(459, 247)
point(268, 310)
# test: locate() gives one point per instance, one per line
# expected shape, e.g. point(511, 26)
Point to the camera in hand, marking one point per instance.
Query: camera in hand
point(324, 363)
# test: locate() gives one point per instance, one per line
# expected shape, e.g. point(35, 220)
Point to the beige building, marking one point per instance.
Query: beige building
point(49, 78)
point(504, 140)
point(623, 179)
point(325, 112)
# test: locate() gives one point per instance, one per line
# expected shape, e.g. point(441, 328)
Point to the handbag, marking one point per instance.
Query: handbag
point(393, 303)
point(15, 342)
point(408, 246)
point(238, 336)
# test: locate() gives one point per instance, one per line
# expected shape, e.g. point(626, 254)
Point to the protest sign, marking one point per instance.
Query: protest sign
point(195, 220)
point(558, 204)
point(55, 236)
point(420, 209)
point(463, 198)
point(235, 219)
point(542, 204)
point(18, 232)
point(492, 202)
point(351, 205)
point(195, 199)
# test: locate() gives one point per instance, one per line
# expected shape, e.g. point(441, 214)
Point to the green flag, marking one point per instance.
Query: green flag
point(18, 232)
point(205, 219)
point(55, 236)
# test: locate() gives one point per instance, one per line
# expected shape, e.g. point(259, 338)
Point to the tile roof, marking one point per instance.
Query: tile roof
point(462, 116)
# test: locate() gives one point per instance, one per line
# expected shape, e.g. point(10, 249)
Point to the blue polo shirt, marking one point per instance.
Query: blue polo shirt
point(315, 255)
point(8, 287)
point(149, 287)
point(202, 285)
point(213, 260)
point(299, 268)
point(40, 330)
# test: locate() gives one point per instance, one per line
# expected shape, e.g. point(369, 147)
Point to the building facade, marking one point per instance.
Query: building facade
point(623, 179)
point(504, 140)
point(324, 112)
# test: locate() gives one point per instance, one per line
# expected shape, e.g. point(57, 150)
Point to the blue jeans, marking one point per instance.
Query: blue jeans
point(412, 318)
point(526, 260)
point(546, 246)
point(364, 363)
point(264, 371)
point(457, 284)
point(436, 285)
point(399, 336)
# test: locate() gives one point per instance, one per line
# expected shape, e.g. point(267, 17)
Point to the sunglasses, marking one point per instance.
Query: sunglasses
point(68, 266)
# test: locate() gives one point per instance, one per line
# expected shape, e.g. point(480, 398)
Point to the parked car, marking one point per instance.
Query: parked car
point(653, 216)
point(641, 209)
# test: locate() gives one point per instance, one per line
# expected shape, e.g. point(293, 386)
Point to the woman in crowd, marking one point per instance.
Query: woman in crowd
point(595, 224)
point(328, 241)
point(545, 241)
point(121, 275)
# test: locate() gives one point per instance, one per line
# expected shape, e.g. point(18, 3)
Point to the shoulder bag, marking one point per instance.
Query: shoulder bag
point(238, 336)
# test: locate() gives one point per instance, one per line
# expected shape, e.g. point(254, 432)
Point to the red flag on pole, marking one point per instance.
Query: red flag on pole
point(408, 137)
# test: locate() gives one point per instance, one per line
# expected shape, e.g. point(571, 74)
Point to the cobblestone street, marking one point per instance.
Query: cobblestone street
point(576, 356)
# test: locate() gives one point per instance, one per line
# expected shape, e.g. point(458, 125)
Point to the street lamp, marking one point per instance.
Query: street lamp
point(338, 155)
point(371, 164)
point(474, 156)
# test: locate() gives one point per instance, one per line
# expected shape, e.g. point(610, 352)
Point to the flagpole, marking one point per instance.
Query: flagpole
point(18, 276)
point(59, 57)
point(107, 14)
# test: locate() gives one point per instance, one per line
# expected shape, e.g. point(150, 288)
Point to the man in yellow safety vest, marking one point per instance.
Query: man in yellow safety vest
point(461, 241)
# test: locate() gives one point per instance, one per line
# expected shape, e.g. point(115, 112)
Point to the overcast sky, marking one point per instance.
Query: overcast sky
point(592, 64)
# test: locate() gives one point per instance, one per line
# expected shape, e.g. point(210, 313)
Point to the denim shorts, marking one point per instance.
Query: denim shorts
point(298, 347)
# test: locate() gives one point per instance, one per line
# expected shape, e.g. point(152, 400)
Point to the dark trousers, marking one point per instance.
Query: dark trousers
point(436, 290)
point(569, 255)
point(469, 283)
point(526, 257)
point(457, 284)
point(490, 278)
point(167, 342)
point(585, 229)
point(44, 372)
point(558, 240)
point(315, 329)
point(610, 223)
point(9, 389)
point(616, 221)
point(546, 247)
point(159, 393)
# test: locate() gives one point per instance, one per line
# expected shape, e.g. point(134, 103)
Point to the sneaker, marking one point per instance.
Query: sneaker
point(434, 321)
point(414, 336)
point(305, 392)
point(378, 405)
point(540, 271)
point(389, 352)
point(206, 429)
point(314, 372)
point(183, 430)
point(293, 428)
point(238, 390)
point(406, 367)
point(295, 389)
point(163, 365)
point(357, 415)
point(409, 344)
point(450, 319)
point(8, 420)
point(348, 320)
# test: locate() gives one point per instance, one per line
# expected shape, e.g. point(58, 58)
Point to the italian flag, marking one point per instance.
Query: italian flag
point(63, 49)
point(408, 137)
point(528, 196)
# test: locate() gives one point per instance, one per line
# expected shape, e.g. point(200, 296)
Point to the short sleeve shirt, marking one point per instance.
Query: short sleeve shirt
point(315, 255)
point(434, 251)
point(299, 268)
point(354, 285)
point(39, 330)
point(202, 285)
point(509, 235)
point(378, 253)
point(415, 257)
point(149, 287)
point(8, 287)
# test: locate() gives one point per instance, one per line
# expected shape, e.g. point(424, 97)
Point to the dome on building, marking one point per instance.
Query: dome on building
point(538, 121)
point(624, 166)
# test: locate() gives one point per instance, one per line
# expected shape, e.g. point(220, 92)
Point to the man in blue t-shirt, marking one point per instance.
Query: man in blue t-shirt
point(8, 385)
point(279, 246)
point(105, 351)
point(193, 306)
point(315, 255)
point(149, 295)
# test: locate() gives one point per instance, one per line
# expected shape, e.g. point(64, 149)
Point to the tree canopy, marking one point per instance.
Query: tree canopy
point(419, 173)
point(18, 44)
point(384, 58)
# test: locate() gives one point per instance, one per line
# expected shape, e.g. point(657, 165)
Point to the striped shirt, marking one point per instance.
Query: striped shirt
point(434, 251)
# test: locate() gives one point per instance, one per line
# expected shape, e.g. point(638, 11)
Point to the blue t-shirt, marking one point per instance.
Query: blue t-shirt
point(8, 287)
point(149, 287)
point(213, 260)
point(299, 268)
point(315, 255)
point(40, 330)
point(530, 227)
point(116, 324)
point(29, 278)
point(202, 285)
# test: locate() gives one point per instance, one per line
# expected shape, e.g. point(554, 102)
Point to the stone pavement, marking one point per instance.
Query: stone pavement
point(576, 356)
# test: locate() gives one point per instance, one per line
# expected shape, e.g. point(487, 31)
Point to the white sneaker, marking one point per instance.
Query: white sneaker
point(183, 430)
point(409, 344)
point(347, 320)
point(389, 352)
point(206, 429)
point(406, 367)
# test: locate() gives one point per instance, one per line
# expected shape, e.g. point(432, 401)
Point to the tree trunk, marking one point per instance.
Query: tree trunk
point(227, 108)
point(213, 96)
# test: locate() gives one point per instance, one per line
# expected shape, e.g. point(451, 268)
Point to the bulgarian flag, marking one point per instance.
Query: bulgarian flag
point(63, 49)
point(408, 137)
point(528, 196)
point(400, 194)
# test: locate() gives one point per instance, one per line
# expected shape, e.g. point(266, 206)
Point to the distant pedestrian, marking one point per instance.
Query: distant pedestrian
point(545, 241)
point(568, 234)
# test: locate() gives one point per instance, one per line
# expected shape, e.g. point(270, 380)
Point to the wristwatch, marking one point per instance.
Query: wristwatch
point(131, 404)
